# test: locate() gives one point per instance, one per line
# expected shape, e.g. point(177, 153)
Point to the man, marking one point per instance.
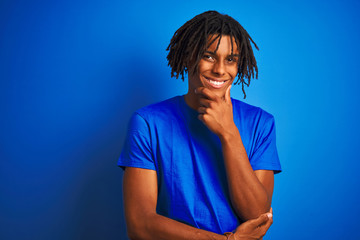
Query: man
point(201, 166)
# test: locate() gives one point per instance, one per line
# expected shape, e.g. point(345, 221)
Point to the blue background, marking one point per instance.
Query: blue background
point(72, 72)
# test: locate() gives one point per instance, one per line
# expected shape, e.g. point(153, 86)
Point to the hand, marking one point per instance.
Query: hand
point(253, 229)
point(216, 112)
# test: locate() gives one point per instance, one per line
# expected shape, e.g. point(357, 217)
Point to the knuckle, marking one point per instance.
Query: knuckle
point(205, 117)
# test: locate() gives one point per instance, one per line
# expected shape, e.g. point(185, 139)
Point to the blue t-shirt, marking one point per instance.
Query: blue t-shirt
point(168, 137)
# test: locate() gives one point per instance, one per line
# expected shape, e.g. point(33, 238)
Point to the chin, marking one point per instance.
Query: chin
point(219, 92)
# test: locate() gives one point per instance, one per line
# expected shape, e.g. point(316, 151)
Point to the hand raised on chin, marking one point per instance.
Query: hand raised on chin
point(216, 112)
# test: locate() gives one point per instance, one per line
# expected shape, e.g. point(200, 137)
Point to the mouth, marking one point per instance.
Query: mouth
point(215, 83)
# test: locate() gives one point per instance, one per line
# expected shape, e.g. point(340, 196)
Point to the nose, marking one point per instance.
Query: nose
point(219, 68)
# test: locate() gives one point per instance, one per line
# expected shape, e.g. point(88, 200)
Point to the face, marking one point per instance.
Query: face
point(216, 70)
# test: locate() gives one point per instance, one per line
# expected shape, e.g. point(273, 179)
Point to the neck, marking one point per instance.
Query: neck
point(192, 100)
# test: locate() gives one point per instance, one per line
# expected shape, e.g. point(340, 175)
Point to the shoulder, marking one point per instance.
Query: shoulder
point(160, 111)
point(250, 112)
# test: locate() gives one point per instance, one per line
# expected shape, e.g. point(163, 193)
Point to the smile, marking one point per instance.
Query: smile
point(215, 83)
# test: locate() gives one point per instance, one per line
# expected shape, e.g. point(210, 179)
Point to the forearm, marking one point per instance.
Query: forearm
point(140, 199)
point(157, 227)
point(248, 195)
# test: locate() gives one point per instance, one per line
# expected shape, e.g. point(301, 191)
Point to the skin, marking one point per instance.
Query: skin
point(218, 66)
point(140, 198)
point(250, 191)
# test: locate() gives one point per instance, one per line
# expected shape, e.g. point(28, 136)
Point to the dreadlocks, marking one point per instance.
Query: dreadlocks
point(190, 42)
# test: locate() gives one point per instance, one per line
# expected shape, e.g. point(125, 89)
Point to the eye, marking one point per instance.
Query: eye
point(208, 57)
point(232, 60)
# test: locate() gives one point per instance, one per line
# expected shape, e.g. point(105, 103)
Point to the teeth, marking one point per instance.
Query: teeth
point(216, 82)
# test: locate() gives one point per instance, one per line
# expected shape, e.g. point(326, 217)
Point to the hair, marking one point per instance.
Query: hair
point(191, 40)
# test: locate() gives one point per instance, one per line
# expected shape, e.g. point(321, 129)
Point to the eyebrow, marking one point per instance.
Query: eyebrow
point(230, 55)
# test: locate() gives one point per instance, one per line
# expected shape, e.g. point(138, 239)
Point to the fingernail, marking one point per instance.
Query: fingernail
point(195, 91)
point(269, 215)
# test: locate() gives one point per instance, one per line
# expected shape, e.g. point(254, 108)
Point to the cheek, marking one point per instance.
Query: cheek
point(204, 66)
point(233, 72)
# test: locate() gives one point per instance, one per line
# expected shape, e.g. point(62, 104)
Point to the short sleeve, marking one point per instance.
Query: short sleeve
point(137, 151)
point(265, 155)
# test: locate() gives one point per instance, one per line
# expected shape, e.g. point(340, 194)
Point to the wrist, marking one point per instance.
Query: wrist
point(229, 134)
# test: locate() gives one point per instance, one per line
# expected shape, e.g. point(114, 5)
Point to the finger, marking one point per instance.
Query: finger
point(206, 93)
point(205, 102)
point(202, 110)
point(262, 219)
point(266, 226)
point(227, 94)
point(201, 117)
point(205, 111)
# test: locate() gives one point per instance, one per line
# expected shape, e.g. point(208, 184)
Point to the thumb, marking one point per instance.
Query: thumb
point(227, 94)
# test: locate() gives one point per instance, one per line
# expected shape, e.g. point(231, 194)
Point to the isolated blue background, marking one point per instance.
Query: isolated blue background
point(72, 72)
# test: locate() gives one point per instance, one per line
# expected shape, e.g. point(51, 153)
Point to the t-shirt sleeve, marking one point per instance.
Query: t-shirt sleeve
point(137, 151)
point(265, 155)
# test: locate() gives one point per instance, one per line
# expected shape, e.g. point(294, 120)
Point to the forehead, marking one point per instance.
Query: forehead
point(227, 44)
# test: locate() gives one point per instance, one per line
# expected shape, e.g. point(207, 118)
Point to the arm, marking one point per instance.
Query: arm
point(250, 191)
point(140, 197)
